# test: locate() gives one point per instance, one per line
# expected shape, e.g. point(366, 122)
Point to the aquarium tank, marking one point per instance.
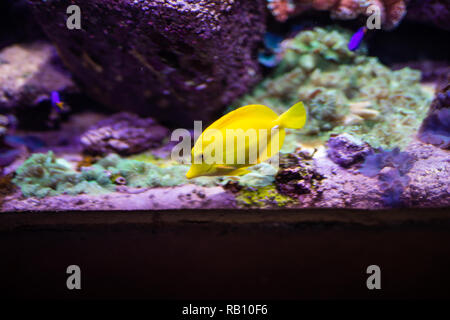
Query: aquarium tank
point(262, 107)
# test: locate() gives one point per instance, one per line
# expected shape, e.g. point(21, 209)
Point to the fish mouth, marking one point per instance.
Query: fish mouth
point(190, 174)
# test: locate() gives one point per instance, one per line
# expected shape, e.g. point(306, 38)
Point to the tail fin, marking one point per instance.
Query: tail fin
point(294, 117)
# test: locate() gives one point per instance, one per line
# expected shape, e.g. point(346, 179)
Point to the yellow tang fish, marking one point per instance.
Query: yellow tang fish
point(241, 139)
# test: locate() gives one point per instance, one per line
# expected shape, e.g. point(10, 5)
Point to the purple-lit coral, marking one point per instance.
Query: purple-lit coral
point(346, 150)
point(392, 168)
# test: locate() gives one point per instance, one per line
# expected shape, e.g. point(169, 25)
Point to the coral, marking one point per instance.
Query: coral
point(297, 176)
point(392, 185)
point(123, 133)
point(392, 168)
point(257, 188)
point(344, 91)
point(401, 161)
point(44, 175)
point(261, 175)
point(435, 128)
point(262, 197)
point(392, 11)
point(346, 150)
point(177, 61)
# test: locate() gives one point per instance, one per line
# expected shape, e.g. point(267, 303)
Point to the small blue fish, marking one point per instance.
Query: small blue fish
point(272, 41)
point(268, 57)
point(56, 101)
point(356, 39)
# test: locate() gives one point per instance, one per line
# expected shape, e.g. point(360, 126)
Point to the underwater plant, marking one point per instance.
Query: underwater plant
point(344, 91)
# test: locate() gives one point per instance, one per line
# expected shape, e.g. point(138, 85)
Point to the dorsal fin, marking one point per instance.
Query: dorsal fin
point(252, 110)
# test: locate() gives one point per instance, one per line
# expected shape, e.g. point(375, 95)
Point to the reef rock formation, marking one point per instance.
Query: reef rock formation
point(435, 127)
point(174, 60)
point(392, 11)
point(123, 133)
point(28, 75)
point(297, 176)
point(345, 150)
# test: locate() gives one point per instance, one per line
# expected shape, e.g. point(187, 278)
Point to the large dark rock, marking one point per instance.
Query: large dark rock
point(175, 60)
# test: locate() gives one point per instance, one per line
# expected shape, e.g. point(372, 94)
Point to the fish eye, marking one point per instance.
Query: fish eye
point(199, 158)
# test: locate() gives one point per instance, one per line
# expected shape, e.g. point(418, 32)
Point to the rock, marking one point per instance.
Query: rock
point(346, 150)
point(297, 176)
point(429, 181)
point(29, 73)
point(435, 128)
point(177, 61)
point(123, 133)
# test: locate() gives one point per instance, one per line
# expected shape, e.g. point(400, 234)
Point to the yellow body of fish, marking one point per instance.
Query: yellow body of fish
point(242, 138)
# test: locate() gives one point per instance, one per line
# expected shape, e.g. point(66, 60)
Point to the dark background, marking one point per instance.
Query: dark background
point(228, 255)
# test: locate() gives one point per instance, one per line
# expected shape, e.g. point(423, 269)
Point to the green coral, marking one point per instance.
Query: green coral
point(317, 68)
point(45, 175)
point(261, 175)
point(262, 197)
